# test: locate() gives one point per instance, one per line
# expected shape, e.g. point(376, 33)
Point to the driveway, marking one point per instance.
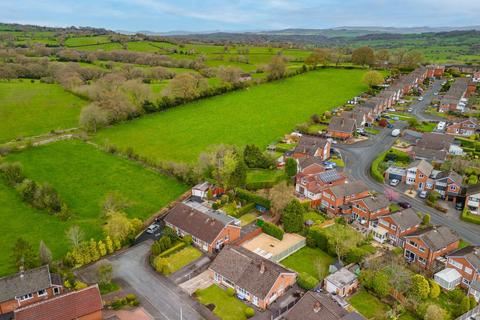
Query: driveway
point(358, 159)
point(157, 294)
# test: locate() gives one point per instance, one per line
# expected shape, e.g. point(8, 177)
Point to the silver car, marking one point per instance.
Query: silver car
point(153, 228)
point(394, 182)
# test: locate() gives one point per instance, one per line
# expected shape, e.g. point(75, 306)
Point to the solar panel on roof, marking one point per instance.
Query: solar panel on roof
point(329, 176)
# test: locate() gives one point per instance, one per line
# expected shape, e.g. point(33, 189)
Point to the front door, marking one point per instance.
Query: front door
point(420, 186)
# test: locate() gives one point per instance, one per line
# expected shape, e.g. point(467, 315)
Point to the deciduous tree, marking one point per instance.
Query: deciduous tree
point(45, 254)
point(363, 56)
point(373, 79)
point(292, 216)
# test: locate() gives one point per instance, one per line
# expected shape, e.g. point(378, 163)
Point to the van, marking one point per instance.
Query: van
point(395, 132)
point(441, 125)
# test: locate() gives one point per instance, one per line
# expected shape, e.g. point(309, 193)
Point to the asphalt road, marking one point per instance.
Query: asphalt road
point(358, 158)
point(158, 295)
point(420, 106)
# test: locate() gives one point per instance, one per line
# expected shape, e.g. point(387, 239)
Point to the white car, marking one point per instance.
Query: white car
point(394, 182)
point(420, 99)
point(423, 194)
point(435, 93)
point(410, 110)
point(153, 228)
point(395, 132)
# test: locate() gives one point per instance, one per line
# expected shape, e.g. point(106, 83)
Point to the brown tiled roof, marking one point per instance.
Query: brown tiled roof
point(196, 223)
point(349, 189)
point(69, 306)
point(306, 162)
point(470, 253)
point(375, 203)
point(309, 145)
point(405, 219)
point(22, 283)
point(436, 237)
point(340, 124)
point(357, 115)
point(243, 268)
point(318, 306)
point(424, 166)
point(473, 189)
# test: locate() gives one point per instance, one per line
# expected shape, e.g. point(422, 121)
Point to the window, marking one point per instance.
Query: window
point(42, 293)
point(56, 291)
point(394, 227)
point(421, 175)
point(25, 297)
point(465, 281)
point(411, 180)
point(452, 187)
point(422, 249)
point(385, 223)
point(455, 264)
point(413, 244)
point(468, 270)
point(421, 260)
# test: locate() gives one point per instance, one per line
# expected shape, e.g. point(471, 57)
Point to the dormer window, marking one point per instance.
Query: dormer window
point(42, 293)
point(25, 297)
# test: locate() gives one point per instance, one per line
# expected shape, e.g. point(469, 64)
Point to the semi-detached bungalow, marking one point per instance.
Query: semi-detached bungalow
point(210, 229)
point(254, 278)
point(309, 147)
point(341, 128)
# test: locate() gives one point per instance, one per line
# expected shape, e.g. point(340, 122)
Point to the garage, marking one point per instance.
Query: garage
point(395, 173)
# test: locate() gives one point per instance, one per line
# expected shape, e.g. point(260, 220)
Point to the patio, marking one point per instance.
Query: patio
point(274, 249)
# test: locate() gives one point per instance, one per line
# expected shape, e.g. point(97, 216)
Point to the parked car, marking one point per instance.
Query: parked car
point(405, 205)
point(391, 109)
point(459, 206)
point(395, 132)
point(329, 165)
point(420, 99)
point(153, 228)
point(389, 126)
point(441, 125)
point(394, 182)
point(435, 93)
point(410, 109)
point(360, 130)
point(423, 194)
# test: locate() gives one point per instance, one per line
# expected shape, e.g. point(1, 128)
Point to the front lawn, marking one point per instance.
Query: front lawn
point(368, 305)
point(226, 307)
point(309, 260)
point(338, 161)
point(372, 130)
point(83, 177)
point(426, 126)
point(257, 115)
point(248, 218)
point(183, 257)
point(316, 217)
point(263, 178)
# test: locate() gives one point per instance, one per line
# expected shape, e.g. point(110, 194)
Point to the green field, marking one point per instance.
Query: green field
point(257, 115)
point(368, 305)
point(309, 260)
point(226, 307)
point(83, 176)
point(28, 109)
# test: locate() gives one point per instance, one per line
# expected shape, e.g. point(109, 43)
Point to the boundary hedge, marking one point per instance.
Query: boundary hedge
point(270, 229)
point(252, 197)
point(468, 217)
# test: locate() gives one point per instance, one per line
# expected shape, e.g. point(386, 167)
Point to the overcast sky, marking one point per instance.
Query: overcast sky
point(239, 15)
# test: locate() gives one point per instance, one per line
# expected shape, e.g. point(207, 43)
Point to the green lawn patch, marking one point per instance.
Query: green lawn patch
point(28, 109)
point(469, 217)
point(108, 287)
point(372, 130)
point(248, 218)
point(263, 178)
point(83, 176)
point(309, 260)
point(258, 115)
point(338, 161)
point(226, 307)
point(316, 217)
point(368, 305)
point(394, 207)
point(183, 257)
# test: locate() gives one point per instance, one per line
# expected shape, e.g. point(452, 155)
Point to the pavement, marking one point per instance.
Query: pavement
point(358, 158)
point(158, 295)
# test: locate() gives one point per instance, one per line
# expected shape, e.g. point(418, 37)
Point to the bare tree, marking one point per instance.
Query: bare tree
point(92, 117)
point(45, 254)
point(277, 68)
point(186, 85)
point(280, 195)
point(229, 74)
point(75, 236)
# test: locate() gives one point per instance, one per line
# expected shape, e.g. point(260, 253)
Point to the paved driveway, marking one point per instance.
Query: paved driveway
point(158, 295)
point(420, 106)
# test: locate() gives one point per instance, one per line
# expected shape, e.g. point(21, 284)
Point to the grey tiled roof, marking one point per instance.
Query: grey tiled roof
point(470, 253)
point(29, 281)
point(340, 124)
point(424, 166)
point(309, 145)
point(405, 219)
point(349, 189)
point(436, 238)
point(243, 268)
point(377, 202)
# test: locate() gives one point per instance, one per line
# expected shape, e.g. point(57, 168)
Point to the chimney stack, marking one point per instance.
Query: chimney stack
point(262, 267)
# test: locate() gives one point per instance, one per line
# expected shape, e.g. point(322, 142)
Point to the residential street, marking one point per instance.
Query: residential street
point(420, 106)
point(358, 159)
point(158, 295)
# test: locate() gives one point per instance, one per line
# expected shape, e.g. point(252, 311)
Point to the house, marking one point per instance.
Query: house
point(435, 71)
point(449, 185)
point(367, 112)
point(463, 128)
point(84, 304)
point(341, 128)
point(411, 137)
point(28, 287)
point(367, 210)
point(312, 147)
point(338, 199)
point(476, 76)
point(341, 283)
point(310, 165)
point(466, 261)
point(359, 116)
point(254, 278)
point(434, 147)
point(472, 197)
point(452, 100)
point(310, 186)
point(399, 224)
point(320, 306)
point(418, 173)
point(210, 229)
point(245, 77)
point(425, 246)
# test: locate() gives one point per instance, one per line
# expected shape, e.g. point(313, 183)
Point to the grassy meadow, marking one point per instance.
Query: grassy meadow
point(30, 108)
point(83, 176)
point(257, 115)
